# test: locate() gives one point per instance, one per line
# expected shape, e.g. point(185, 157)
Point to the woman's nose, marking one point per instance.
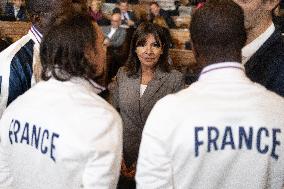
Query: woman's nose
point(148, 49)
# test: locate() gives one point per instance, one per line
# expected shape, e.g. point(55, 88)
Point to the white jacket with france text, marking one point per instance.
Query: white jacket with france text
point(60, 135)
point(222, 132)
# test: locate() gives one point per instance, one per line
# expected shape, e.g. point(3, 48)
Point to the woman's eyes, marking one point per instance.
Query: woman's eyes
point(157, 45)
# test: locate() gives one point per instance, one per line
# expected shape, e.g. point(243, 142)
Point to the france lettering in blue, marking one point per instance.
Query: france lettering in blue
point(213, 139)
point(41, 139)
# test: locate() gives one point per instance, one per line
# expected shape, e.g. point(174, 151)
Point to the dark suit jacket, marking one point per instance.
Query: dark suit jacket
point(167, 18)
point(118, 37)
point(9, 12)
point(135, 110)
point(266, 66)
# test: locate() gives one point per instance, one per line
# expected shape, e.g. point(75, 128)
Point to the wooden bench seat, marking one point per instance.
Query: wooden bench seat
point(180, 36)
point(14, 30)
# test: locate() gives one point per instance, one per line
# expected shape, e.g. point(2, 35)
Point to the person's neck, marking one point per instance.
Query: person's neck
point(255, 32)
point(206, 61)
point(147, 75)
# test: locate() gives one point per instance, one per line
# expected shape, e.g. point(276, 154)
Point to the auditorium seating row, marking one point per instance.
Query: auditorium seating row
point(183, 60)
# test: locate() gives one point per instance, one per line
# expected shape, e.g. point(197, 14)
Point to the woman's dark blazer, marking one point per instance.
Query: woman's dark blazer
point(135, 110)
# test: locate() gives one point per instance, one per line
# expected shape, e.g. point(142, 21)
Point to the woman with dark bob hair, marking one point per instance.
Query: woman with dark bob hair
point(71, 137)
point(146, 78)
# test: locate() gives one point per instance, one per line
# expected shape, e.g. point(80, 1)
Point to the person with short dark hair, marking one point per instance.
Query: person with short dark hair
point(223, 131)
point(61, 134)
point(145, 78)
point(263, 55)
point(128, 18)
point(20, 63)
point(155, 10)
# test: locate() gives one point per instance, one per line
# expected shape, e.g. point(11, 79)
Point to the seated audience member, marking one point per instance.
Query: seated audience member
point(159, 20)
point(224, 131)
point(20, 63)
point(114, 34)
point(263, 55)
point(49, 150)
point(144, 79)
point(128, 18)
point(171, 6)
point(155, 10)
point(16, 10)
point(97, 14)
point(114, 39)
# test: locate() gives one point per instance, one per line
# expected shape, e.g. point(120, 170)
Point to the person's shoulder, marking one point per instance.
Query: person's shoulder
point(175, 74)
point(105, 28)
point(121, 29)
point(271, 98)
point(122, 72)
point(11, 50)
point(275, 43)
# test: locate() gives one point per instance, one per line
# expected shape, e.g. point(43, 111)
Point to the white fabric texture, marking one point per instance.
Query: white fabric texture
point(222, 132)
point(60, 135)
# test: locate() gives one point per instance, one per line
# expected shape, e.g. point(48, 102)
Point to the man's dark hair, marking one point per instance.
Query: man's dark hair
point(38, 6)
point(217, 31)
point(63, 48)
point(122, 1)
point(154, 3)
point(139, 39)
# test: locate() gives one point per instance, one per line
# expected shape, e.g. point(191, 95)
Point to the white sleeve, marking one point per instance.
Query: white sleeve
point(154, 166)
point(103, 166)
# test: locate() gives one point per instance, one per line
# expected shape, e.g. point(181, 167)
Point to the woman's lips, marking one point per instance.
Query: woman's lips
point(149, 59)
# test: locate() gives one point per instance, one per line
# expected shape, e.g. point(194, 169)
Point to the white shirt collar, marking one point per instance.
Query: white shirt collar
point(252, 47)
point(112, 31)
point(90, 84)
point(224, 71)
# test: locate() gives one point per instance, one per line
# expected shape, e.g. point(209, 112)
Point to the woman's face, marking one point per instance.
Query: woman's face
point(96, 5)
point(150, 52)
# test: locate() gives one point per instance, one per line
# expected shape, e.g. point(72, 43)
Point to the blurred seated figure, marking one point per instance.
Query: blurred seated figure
point(171, 6)
point(159, 20)
point(95, 11)
point(155, 10)
point(16, 10)
point(128, 18)
point(114, 39)
point(114, 34)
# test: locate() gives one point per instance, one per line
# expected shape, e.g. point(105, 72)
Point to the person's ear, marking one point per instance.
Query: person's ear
point(35, 18)
point(195, 53)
